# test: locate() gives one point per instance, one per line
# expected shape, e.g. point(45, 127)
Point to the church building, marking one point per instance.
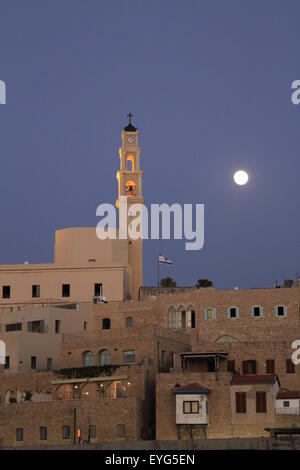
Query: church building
point(85, 266)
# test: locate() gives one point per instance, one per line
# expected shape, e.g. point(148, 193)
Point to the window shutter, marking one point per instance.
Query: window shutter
point(261, 311)
point(261, 402)
point(214, 314)
point(237, 313)
point(205, 314)
point(252, 311)
point(285, 311)
point(228, 313)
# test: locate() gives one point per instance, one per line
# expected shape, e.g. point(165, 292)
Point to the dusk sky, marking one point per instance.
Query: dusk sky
point(209, 84)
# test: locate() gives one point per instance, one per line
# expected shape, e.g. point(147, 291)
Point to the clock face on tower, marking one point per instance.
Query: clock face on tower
point(130, 140)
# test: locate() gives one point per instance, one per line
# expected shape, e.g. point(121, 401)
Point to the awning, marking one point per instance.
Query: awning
point(222, 355)
point(110, 378)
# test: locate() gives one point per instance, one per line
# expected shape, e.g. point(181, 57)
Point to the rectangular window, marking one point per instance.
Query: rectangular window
point(93, 431)
point(65, 290)
point(35, 290)
point(129, 356)
point(249, 367)
point(210, 314)
point(57, 326)
point(240, 402)
point(281, 311)
point(257, 312)
point(120, 430)
point(98, 290)
point(211, 365)
point(33, 362)
point(13, 327)
point(190, 407)
point(65, 432)
point(270, 366)
point(7, 362)
point(290, 367)
point(171, 359)
point(230, 366)
point(19, 434)
point(286, 404)
point(106, 324)
point(261, 402)
point(84, 325)
point(232, 312)
point(43, 433)
point(163, 357)
point(49, 363)
point(37, 326)
point(5, 292)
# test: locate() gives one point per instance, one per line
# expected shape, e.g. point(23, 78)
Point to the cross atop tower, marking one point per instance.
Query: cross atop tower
point(129, 115)
point(130, 127)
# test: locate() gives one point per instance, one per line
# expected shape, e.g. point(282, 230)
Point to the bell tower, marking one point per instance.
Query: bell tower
point(130, 185)
point(130, 175)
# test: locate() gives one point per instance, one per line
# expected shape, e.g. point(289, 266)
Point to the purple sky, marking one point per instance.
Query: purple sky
point(209, 85)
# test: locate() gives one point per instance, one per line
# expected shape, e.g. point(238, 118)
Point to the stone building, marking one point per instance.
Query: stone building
point(180, 363)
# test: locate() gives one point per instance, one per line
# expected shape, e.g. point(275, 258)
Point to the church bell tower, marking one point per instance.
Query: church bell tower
point(130, 181)
point(130, 175)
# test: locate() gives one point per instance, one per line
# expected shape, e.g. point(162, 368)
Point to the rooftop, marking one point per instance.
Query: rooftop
point(190, 388)
point(282, 394)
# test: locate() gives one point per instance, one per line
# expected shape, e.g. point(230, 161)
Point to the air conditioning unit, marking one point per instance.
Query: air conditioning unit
point(100, 299)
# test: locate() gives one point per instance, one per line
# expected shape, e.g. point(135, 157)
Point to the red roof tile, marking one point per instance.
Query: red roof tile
point(282, 394)
point(254, 379)
point(192, 387)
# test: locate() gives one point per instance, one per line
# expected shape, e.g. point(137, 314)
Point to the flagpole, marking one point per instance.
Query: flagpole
point(158, 270)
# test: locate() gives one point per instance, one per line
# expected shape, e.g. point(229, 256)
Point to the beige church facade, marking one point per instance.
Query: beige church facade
point(85, 266)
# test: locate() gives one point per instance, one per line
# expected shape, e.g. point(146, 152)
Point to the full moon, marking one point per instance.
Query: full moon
point(240, 177)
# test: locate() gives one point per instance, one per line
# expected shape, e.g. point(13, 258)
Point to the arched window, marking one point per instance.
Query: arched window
point(172, 317)
point(180, 317)
point(129, 322)
point(104, 357)
point(130, 163)
point(131, 189)
point(190, 317)
point(88, 359)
